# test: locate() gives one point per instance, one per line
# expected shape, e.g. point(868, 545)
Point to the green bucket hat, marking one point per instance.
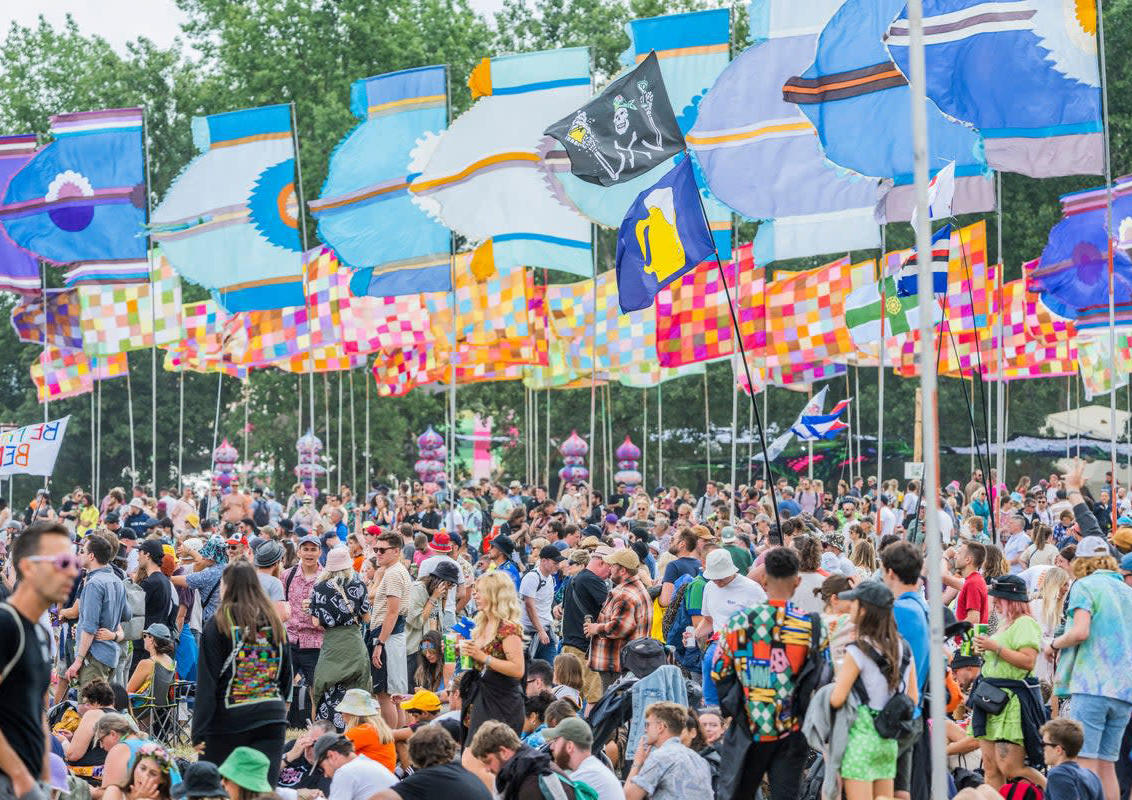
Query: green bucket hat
point(247, 768)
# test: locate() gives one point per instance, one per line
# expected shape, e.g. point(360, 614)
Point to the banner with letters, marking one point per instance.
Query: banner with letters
point(32, 449)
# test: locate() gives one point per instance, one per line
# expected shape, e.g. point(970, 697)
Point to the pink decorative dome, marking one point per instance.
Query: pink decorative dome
point(628, 451)
point(430, 440)
point(574, 446)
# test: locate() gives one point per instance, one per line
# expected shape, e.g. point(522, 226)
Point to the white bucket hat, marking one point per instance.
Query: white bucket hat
point(358, 702)
point(719, 565)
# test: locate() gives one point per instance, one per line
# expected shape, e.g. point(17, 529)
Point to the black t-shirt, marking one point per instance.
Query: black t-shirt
point(585, 595)
point(442, 781)
point(301, 774)
point(160, 605)
point(21, 713)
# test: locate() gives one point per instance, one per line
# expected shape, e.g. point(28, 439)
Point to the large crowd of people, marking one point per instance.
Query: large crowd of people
point(421, 641)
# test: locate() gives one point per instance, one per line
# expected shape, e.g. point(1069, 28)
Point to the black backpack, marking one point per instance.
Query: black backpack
point(894, 721)
point(260, 515)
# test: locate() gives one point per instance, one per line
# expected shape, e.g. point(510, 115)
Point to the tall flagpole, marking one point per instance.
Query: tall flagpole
point(546, 475)
point(880, 379)
point(734, 433)
point(644, 433)
point(659, 437)
point(353, 443)
point(1000, 395)
point(369, 379)
point(46, 395)
point(928, 384)
point(593, 339)
point(181, 434)
point(707, 425)
point(215, 425)
point(452, 357)
point(130, 419)
point(1111, 266)
point(152, 310)
point(306, 273)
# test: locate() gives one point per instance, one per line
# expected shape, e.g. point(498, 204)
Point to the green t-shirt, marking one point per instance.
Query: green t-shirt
point(1024, 632)
point(740, 557)
point(694, 596)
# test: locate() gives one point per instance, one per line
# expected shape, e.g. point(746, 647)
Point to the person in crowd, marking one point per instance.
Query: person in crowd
point(496, 648)
point(663, 767)
point(96, 699)
point(298, 771)
point(426, 605)
point(625, 616)
point(244, 774)
point(519, 770)
point(1009, 655)
point(436, 772)
point(1062, 740)
point(568, 679)
point(571, 746)
point(366, 728)
point(244, 673)
point(584, 597)
point(154, 675)
point(432, 672)
point(726, 593)
point(837, 618)
point(209, 563)
point(536, 591)
point(268, 560)
point(352, 776)
point(500, 556)
point(810, 575)
point(540, 676)
point(388, 640)
point(879, 659)
point(779, 749)
point(149, 777)
point(102, 605)
point(339, 605)
point(534, 708)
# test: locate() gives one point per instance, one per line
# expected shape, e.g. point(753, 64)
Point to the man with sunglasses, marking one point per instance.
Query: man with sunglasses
point(101, 605)
point(389, 600)
point(45, 569)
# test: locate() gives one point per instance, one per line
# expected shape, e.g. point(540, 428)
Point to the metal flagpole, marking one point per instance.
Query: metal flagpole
point(326, 406)
point(1109, 236)
point(604, 455)
point(644, 432)
point(247, 430)
point(1068, 403)
point(452, 356)
point(369, 475)
point(659, 437)
point(751, 442)
point(130, 419)
point(928, 383)
point(92, 438)
point(546, 475)
point(707, 426)
point(338, 458)
point(98, 456)
point(857, 426)
point(849, 433)
point(1000, 394)
point(611, 451)
point(593, 338)
point(152, 311)
point(305, 268)
point(47, 398)
point(215, 426)
point(766, 415)
point(880, 380)
point(734, 431)
point(353, 443)
point(181, 434)
point(810, 443)
point(534, 436)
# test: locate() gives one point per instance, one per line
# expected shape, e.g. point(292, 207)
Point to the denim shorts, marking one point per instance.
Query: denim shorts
point(1104, 721)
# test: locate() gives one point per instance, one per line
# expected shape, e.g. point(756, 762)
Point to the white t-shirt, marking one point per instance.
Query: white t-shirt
point(887, 521)
point(946, 526)
point(428, 566)
point(600, 778)
point(720, 602)
point(360, 779)
point(541, 588)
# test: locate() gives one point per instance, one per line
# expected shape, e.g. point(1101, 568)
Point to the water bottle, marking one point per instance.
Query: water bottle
point(689, 638)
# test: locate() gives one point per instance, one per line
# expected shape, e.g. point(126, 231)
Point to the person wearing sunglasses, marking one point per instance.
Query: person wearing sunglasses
point(1062, 739)
point(101, 605)
point(45, 570)
point(389, 601)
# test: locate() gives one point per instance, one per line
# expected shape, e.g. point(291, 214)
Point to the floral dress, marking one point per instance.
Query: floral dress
point(343, 662)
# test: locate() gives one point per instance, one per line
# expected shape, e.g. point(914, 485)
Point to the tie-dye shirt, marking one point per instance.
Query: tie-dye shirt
point(1100, 663)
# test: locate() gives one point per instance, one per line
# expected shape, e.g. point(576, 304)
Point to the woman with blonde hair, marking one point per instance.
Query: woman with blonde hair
point(367, 729)
point(1046, 606)
point(496, 647)
point(864, 559)
point(339, 603)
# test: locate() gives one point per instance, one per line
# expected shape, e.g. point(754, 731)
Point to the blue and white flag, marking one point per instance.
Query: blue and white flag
point(366, 212)
point(812, 424)
point(908, 279)
point(1023, 72)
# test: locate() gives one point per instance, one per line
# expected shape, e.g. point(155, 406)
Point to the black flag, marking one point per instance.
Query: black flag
point(623, 132)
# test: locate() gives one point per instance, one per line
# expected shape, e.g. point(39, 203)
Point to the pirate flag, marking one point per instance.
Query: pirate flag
point(623, 132)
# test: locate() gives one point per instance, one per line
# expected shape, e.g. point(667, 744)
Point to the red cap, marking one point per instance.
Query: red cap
point(238, 540)
point(441, 543)
point(373, 530)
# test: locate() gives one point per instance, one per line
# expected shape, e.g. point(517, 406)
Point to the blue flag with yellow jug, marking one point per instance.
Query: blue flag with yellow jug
point(663, 236)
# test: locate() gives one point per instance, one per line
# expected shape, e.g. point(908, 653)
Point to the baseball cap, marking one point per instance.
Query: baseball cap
point(1122, 539)
point(1092, 546)
point(1126, 563)
point(624, 557)
point(112, 518)
point(572, 729)
point(874, 593)
point(516, 485)
point(310, 538)
point(323, 744)
point(153, 549)
point(611, 518)
point(423, 700)
point(503, 544)
point(551, 552)
point(727, 535)
point(127, 533)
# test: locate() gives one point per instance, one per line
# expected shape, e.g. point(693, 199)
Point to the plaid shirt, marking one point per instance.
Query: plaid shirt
point(626, 615)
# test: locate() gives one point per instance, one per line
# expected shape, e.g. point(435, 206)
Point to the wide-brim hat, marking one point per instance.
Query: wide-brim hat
point(358, 702)
point(503, 544)
point(1009, 587)
point(338, 559)
point(441, 543)
point(247, 768)
point(199, 779)
point(268, 553)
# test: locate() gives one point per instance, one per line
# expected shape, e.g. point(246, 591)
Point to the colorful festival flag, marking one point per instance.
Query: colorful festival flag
point(366, 212)
point(120, 318)
point(853, 86)
point(19, 269)
point(907, 280)
point(230, 220)
point(1023, 72)
point(623, 132)
point(745, 134)
point(481, 177)
point(56, 322)
point(59, 374)
point(81, 198)
point(663, 236)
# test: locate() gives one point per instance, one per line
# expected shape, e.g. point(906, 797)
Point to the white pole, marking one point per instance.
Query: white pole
point(936, 729)
point(734, 432)
point(644, 433)
point(880, 380)
point(152, 311)
point(546, 475)
point(707, 426)
point(306, 272)
point(326, 402)
point(1109, 236)
point(98, 456)
point(659, 437)
point(46, 314)
point(247, 434)
point(130, 419)
point(215, 428)
point(181, 434)
point(369, 379)
point(1000, 396)
point(354, 444)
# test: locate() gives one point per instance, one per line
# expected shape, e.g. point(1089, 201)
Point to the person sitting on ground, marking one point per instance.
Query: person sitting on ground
point(149, 776)
point(533, 724)
point(571, 745)
point(298, 771)
point(540, 677)
point(201, 781)
point(1062, 739)
point(366, 728)
point(437, 774)
point(244, 774)
point(95, 700)
point(518, 769)
point(664, 768)
point(352, 776)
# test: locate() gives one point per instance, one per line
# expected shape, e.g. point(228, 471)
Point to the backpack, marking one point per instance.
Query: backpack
point(551, 789)
point(815, 673)
point(260, 515)
point(133, 612)
point(1021, 789)
point(895, 719)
